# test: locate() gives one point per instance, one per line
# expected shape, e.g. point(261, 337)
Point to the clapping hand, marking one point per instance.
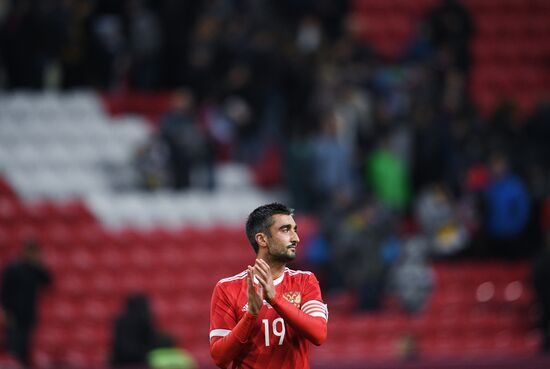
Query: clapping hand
point(264, 276)
point(255, 294)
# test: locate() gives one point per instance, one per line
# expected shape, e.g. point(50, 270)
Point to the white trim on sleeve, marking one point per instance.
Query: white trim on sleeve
point(320, 315)
point(219, 332)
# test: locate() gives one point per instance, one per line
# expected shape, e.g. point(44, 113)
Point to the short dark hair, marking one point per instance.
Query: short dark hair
point(261, 219)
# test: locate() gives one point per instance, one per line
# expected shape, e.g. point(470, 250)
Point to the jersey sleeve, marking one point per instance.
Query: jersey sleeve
point(227, 335)
point(311, 319)
point(222, 316)
point(312, 301)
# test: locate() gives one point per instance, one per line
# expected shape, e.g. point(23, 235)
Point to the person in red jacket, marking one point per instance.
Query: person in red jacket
point(266, 316)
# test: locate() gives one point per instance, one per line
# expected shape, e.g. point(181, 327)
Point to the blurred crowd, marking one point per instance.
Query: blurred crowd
point(391, 154)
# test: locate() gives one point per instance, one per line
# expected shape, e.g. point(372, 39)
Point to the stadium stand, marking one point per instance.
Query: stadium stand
point(66, 179)
point(478, 309)
point(514, 70)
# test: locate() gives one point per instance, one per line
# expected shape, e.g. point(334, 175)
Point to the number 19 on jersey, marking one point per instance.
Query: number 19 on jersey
point(278, 329)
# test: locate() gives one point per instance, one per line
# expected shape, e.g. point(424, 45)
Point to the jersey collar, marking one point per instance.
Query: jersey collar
point(280, 279)
point(275, 281)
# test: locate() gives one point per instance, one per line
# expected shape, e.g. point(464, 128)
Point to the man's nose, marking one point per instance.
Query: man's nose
point(295, 237)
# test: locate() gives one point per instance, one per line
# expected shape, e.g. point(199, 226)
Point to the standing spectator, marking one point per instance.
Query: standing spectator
point(29, 37)
point(76, 58)
point(188, 146)
point(331, 171)
point(440, 223)
point(388, 176)
point(451, 30)
point(167, 355)
point(21, 282)
point(299, 169)
point(362, 250)
point(145, 42)
point(413, 278)
point(507, 208)
point(541, 284)
point(107, 48)
point(150, 162)
point(429, 137)
point(134, 333)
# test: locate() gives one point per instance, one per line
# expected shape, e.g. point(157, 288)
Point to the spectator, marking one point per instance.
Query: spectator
point(362, 251)
point(541, 283)
point(332, 172)
point(167, 355)
point(464, 149)
point(428, 147)
point(202, 57)
point(438, 217)
point(188, 146)
point(108, 51)
point(21, 283)
point(309, 35)
point(538, 151)
point(507, 208)
point(451, 29)
point(407, 346)
point(507, 132)
point(388, 176)
point(245, 141)
point(151, 161)
point(29, 42)
point(538, 132)
point(420, 46)
point(76, 58)
point(244, 105)
point(412, 276)
point(177, 19)
point(134, 333)
point(298, 170)
point(144, 41)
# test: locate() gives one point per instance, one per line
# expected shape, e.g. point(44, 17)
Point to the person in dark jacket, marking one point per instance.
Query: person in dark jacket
point(541, 285)
point(134, 333)
point(20, 285)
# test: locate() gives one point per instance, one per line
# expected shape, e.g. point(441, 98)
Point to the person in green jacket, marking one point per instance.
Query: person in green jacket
point(388, 177)
point(167, 355)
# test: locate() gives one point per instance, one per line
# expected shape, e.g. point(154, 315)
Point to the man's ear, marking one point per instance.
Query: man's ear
point(261, 239)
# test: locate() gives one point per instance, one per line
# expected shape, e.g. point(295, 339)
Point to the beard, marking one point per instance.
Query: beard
point(281, 257)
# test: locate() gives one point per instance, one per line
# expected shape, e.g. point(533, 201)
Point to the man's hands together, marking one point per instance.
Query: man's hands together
point(266, 289)
point(255, 294)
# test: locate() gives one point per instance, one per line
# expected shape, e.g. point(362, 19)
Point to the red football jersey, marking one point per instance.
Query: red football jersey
point(273, 343)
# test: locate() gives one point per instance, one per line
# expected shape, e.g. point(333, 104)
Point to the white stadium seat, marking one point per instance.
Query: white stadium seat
point(61, 146)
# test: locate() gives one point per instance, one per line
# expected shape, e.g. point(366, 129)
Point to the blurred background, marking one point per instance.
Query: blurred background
point(411, 136)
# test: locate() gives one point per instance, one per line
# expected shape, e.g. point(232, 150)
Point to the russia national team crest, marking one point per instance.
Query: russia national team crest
point(294, 297)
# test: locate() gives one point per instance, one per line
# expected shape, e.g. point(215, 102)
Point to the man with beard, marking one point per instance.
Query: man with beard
point(265, 316)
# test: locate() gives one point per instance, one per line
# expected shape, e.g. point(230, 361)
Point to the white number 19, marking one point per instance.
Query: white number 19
point(277, 332)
